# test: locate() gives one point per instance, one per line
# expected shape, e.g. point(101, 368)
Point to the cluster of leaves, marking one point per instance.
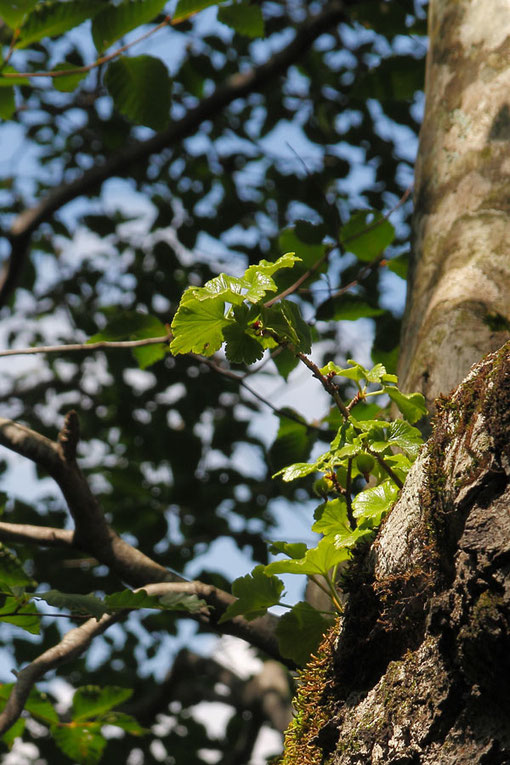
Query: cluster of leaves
point(230, 311)
point(147, 448)
point(80, 736)
point(140, 86)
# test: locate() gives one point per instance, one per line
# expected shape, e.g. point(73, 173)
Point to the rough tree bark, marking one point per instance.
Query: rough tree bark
point(417, 669)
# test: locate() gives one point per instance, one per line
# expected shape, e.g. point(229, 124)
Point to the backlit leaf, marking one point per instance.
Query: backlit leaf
point(255, 593)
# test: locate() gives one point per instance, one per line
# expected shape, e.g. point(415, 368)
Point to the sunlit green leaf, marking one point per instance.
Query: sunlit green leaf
point(317, 560)
point(373, 503)
point(331, 517)
point(91, 701)
point(412, 405)
point(22, 613)
point(255, 593)
point(83, 744)
point(291, 549)
point(198, 327)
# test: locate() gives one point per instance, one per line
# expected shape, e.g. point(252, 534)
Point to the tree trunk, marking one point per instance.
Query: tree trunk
point(417, 669)
point(418, 672)
point(458, 304)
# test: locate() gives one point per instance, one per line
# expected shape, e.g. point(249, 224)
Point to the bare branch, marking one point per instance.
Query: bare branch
point(46, 536)
point(86, 347)
point(94, 536)
point(236, 86)
point(77, 640)
point(74, 643)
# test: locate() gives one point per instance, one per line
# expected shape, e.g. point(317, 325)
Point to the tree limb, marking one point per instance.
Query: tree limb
point(94, 536)
point(90, 181)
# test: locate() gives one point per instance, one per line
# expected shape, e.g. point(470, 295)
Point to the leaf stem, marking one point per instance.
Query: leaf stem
point(326, 383)
point(394, 477)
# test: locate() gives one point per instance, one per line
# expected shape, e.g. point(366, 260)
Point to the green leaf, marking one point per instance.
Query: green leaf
point(300, 631)
point(367, 234)
point(125, 722)
point(7, 102)
point(118, 601)
point(256, 592)
point(198, 327)
point(92, 701)
point(241, 348)
point(186, 8)
point(175, 601)
point(8, 82)
point(83, 744)
point(298, 470)
point(412, 405)
point(129, 325)
point(317, 560)
point(394, 79)
point(291, 549)
point(69, 82)
point(285, 361)
point(355, 372)
point(285, 320)
point(403, 436)
point(372, 504)
point(243, 18)
point(141, 89)
point(347, 308)
point(86, 605)
point(114, 21)
point(331, 517)
point(297, 239)
point(292, 443)
point(14, 732)
point(22, 613)
point(399, 265)
point(258, 277)
point(52, 19)
point(13, 12)
point(40, 707)
point(12, 573)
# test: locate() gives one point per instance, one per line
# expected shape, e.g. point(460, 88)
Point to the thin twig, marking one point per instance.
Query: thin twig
point(89, 67)
point(299, 282)
point(326, 383)
point(87, 346)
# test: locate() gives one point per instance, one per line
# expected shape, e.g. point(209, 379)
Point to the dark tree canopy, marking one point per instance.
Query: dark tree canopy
point(206, 147)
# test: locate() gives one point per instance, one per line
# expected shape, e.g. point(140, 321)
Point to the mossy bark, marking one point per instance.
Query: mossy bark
point(458, 305)
point(422, 659)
